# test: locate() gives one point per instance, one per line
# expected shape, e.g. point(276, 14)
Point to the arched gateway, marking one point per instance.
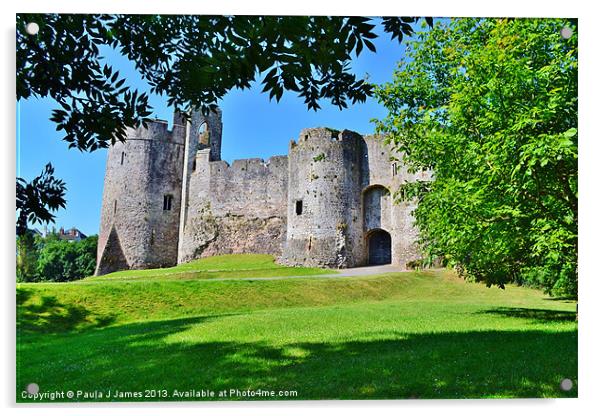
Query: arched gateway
point(379, 247)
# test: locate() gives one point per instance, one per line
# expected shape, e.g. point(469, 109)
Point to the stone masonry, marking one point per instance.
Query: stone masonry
point(169, 198)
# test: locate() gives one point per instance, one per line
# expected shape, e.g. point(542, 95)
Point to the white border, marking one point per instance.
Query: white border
point(590, 347)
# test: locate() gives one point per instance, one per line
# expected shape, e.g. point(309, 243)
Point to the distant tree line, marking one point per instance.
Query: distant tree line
point(53, 259)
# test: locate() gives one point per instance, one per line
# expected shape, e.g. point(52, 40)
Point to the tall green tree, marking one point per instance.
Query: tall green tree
point(27, 257)
point(490, 107)
point(62, 260)
point(193, 60)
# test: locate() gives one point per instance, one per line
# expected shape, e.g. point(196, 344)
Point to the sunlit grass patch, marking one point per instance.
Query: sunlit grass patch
point(399, 335)
point(224, 266)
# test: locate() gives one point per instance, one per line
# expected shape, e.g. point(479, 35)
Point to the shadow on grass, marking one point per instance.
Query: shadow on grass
point(46, 314)
point(537, 315)
point(563, 298)
point(158, 355)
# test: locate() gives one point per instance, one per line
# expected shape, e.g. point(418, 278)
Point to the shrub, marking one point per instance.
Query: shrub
point(62, 261)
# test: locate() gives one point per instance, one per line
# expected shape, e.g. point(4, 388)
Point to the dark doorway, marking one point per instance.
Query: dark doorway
point(379, 247)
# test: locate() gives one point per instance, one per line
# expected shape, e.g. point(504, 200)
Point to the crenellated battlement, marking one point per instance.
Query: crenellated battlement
point(255, 164)
point(158, 130)
point(323, 136)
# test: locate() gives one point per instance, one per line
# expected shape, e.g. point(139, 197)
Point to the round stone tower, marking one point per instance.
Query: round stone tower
point(141, 199)
point(324, 226)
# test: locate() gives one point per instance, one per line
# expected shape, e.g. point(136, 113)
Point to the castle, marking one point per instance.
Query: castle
point(169, 198)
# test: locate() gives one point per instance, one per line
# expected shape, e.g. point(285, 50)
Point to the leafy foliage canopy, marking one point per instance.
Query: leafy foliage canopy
point(52, 259)
point(193, 60)
point(489, 106)
point(37, 198)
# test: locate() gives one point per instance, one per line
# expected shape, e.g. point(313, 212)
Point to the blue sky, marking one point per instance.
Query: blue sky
point(254, 126)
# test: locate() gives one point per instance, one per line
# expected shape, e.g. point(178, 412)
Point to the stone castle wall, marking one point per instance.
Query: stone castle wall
point(383, 168)
point(135, 230)
point(324, 221)
point(235, 209)
point(324, 204)
point(346, 184)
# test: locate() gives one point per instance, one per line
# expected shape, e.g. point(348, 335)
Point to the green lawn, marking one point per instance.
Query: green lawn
point(402, 335)
point(226, 266)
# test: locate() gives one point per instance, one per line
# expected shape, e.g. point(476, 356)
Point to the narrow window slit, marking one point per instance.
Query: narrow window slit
point(167, 201)
point(299, 207)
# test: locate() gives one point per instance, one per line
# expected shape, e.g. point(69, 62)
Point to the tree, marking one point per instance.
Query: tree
point(27, 257)
point(37, 198)
point(62, 261)
point(490, 107)
point(193, 60)
point(85, 261)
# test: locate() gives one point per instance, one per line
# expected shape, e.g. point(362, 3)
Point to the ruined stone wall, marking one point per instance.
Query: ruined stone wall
point(211, 125)
point(203, 136)
point(317, 207)
point(235, 209)
point(135, 231)
point(324, 208)
point(377, 206)
point(384, 167)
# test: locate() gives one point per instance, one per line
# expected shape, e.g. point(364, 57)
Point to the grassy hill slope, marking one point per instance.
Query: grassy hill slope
point(217, 267)
point(402, 335)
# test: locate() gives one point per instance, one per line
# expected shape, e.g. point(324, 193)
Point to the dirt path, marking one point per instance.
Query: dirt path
point(353, 272)
point(342, 273)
